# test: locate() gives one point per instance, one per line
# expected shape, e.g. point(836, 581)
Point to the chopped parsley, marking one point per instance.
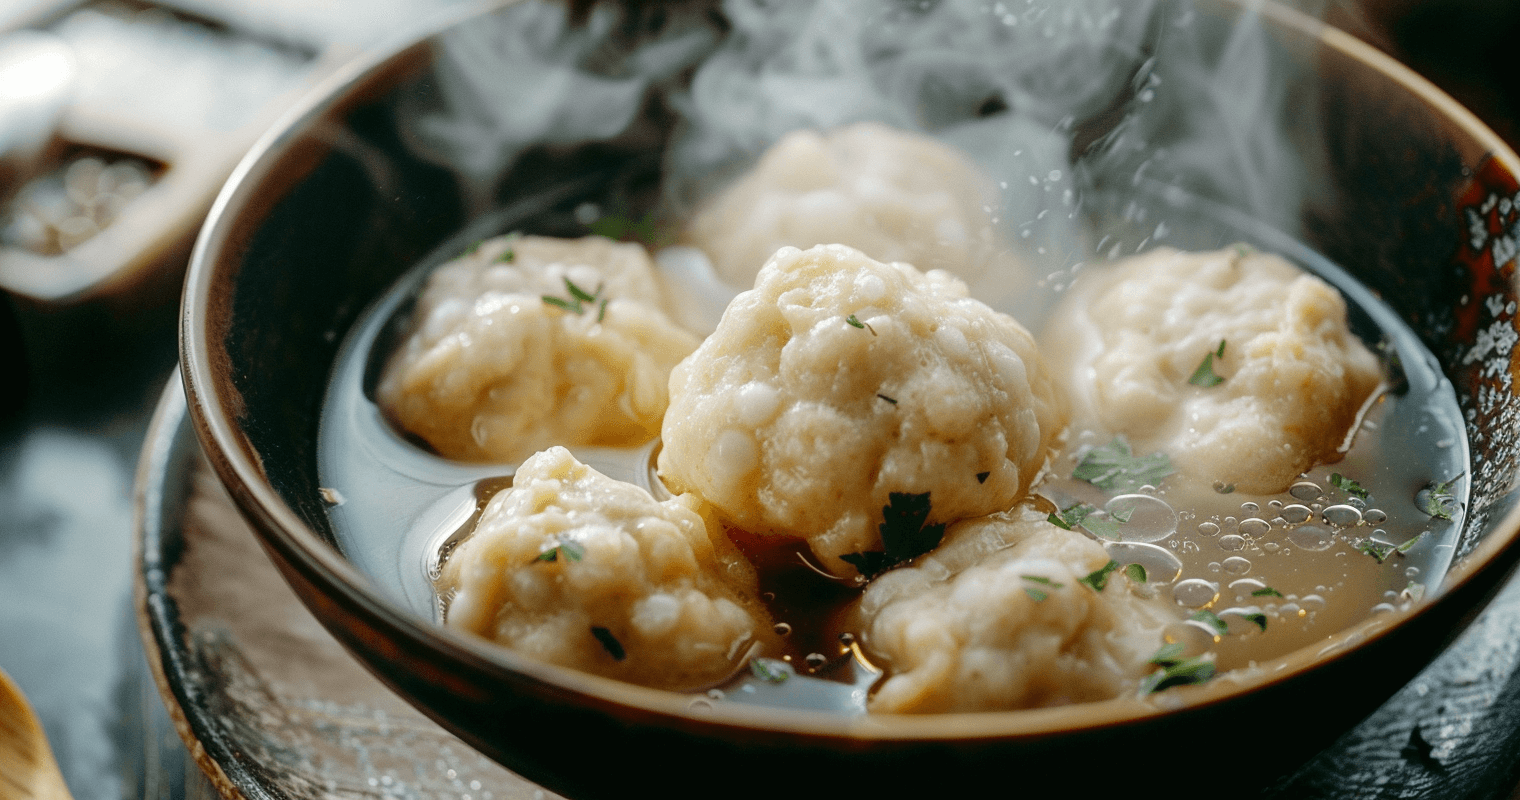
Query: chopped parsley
point(573, 552)
point(1205, 376)
point(1041, 579)
point(1176, 670)
point(578, 299)
point(1103, 527)
point(1098, 579)
point(473, 247)
point(1266, 591)
point(891, 400)
point(1135, 572)
point(1224, 488)
point(609, 643)
point(1115, 466)
point(1167, 654)
point(508, 255)
point(1259, 618)
point(1071, 516)
point(981, 477)
point(768, 670)
point(904, 535)
point(1347, 485)
point(1409, 545)
point(1415, 591)
point(1377, 550)
point(1035, 594)
point(1437, 501)
point(1381, 551)
point(855, 322)
point(1212, 620)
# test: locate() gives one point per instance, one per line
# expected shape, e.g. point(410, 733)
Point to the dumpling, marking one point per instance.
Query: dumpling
point(506, 359)
point(839, 382)
point(577, 569)
point(894, 195)
point(998, 618)
point(1292, 377)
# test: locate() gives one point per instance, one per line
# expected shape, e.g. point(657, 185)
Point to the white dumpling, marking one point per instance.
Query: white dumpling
point(839, 381)
point(1129, 338)
point(894, 195)
point(493, 370)
point(576, 569)
point(998, 619)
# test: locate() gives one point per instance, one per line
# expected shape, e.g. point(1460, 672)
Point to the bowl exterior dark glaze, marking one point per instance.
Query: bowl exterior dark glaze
point(332, 207)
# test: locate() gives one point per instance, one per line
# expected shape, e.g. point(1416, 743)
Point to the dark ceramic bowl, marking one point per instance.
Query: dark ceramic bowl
point(333, 206)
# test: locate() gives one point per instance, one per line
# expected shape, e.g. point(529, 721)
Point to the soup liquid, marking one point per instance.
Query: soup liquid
point(1281, 571)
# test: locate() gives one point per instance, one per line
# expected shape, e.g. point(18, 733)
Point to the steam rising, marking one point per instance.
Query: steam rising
point(1059, 101)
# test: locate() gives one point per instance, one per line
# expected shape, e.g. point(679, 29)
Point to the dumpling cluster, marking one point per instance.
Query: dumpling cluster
point(1131, 343)
point(999, 618)
point(839, 381)
point(577, 569)
point(532, 341)
point(894, 195)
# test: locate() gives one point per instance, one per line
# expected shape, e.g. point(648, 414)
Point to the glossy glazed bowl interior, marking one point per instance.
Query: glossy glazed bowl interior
point(1416, 201)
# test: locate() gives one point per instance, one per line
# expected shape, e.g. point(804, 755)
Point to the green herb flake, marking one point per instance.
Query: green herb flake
point(905, 535)
point(578, 300)
point(855, 322)
point(1258, 618)
point(1115, 466)
point(1205, 376)
point(558, 302)
point(1224, 488)
point(573, 551)
point(474, 247)
point(1377, 550)
point(1168, 654)
point(768, 670)
point(1098, 579)
point(1415, 591)
point(1040, 579)
point(888, 399)
point(1135, 573)
point(1176, 670)
point(1035, 594)
point(1071, 516)
point(609, 643)
point(1102, 527)
point(1437, 500)
point(1266, 591)
point(1409, 545)
point(1347, 485)
point(581, 294)
point(1212, 620)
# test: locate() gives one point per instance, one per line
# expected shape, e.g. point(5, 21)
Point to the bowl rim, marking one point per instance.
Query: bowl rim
point(283, 531)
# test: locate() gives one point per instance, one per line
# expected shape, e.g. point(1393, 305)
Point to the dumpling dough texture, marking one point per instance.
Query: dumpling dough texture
point(894, 195)
point(967, 629)
point(792, 421)
point(1128, 339)
point(644, 571)
point(493, 372)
